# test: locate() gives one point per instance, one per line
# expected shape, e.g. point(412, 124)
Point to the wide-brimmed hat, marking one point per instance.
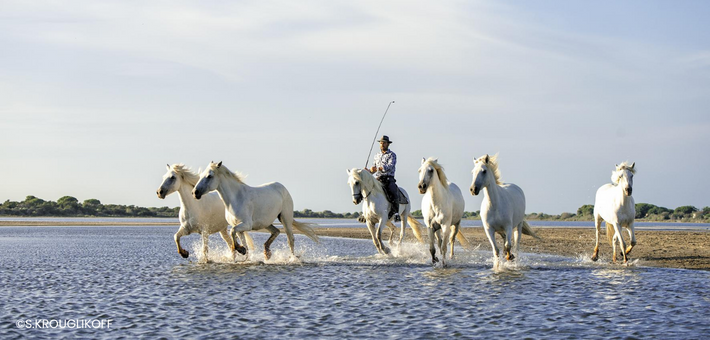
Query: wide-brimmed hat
point(385, 139)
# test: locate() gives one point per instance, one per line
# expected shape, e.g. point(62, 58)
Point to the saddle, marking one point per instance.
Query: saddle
point(402, 197)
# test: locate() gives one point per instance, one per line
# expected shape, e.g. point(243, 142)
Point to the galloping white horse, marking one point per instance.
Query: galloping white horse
point(616, 207)
point(365, 188)
point(442, 207)
point(503, 205)
point(205, 216)
point(252, 208)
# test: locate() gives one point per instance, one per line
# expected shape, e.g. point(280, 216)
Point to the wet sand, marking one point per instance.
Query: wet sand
point(672, 249)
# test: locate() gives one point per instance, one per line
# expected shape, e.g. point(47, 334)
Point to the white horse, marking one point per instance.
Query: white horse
point(616, 207)
point(365, 188)
point(205, 216)
point(502, 208)
point(442, 207)
point(252, 208)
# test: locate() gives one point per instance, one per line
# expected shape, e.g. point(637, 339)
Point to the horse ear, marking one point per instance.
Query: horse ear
point(219, 164)
point(348, 171)
point(474, 160)
point(633, 165)
point(168, 165)
point(436, 160)
point(487, 159)
point(423, 160)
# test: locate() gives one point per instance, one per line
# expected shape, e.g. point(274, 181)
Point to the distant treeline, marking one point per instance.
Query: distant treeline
point(68, 206)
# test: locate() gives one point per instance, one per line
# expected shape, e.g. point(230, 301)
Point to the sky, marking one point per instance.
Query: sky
point(97, 97)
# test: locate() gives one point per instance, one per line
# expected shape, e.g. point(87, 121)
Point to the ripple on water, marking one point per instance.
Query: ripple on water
point(337, 289)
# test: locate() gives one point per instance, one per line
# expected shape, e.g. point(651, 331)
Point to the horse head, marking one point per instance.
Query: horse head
point(208, 180)
point(623, 176)
point(426, 173)
point(171, 183)
point(484, 170)
point(358, 181)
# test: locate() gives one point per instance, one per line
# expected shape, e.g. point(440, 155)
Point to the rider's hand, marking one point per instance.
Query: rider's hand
point(373, 169)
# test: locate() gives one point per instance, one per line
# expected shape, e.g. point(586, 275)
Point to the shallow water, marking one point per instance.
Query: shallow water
point(134, 277)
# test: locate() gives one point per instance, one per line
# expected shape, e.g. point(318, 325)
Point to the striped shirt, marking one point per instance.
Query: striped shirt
point(387, 161)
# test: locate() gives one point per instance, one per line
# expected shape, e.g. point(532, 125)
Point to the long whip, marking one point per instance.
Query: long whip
point(378, 131)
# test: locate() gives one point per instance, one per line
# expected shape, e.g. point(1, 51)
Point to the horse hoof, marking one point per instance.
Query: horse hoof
point(184, 253)
point(267, 254)
point(595, 258)
point(241, 250)
point(510, 257)
point(434, 260)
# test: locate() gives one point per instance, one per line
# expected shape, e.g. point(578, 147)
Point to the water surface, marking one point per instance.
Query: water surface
point(338, 289)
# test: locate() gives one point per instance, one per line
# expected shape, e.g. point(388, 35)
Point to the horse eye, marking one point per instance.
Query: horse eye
point(430, 170)
point(172, 177)
point(483, 171)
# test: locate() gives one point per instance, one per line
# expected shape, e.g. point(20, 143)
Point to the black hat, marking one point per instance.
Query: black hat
point(385, 139)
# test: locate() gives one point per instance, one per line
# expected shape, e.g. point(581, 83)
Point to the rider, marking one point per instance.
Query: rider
point(383, 170)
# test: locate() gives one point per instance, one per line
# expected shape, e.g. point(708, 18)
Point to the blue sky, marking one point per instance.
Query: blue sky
point(98, 96)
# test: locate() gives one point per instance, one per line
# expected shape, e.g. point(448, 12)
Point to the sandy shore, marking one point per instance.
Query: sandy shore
point(672, 249)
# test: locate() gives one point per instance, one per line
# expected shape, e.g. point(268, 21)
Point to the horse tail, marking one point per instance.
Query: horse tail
point(306, 229)
point(463, 240)
point(250, 241)
point(416, 228)
point(527, 230)
point(610, 233)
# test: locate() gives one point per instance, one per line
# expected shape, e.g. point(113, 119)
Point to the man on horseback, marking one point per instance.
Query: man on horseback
point(383, 170)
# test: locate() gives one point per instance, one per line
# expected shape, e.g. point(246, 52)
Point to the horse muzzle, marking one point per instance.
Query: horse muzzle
point(628, 191)
point(357, 198)
point(196, 195)
point(475, 191)
point(161, 194)
point(422, 188)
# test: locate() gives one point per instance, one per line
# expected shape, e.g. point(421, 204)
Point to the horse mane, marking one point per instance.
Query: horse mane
point(368, 179)
point(189, 176)
point(221, 169)
point(492, 165)
point(439, 171)
point(626, 166)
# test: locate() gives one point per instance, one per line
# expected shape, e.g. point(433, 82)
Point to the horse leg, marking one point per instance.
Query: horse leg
point(379, 236)
point(517, 233)
point(432, 249)
point(227, 239)
point(241, 227)
point(444, 241)
point(492, 239)
point(452, 238)
point(391, 229)
point(205, 243)
point(267, 246)
point(620, 239)
point(373, 234)
point(180, 233)
point(287, 221)
point(442, 244)
point(402, 229)
point(507, 245)
point(597, 224)
point(632, 242)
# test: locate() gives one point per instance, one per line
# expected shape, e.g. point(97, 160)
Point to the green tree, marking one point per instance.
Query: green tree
point(644, 209)
point(585, 210)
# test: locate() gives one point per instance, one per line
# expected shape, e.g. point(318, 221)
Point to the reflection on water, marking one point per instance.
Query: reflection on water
point(337, 289)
